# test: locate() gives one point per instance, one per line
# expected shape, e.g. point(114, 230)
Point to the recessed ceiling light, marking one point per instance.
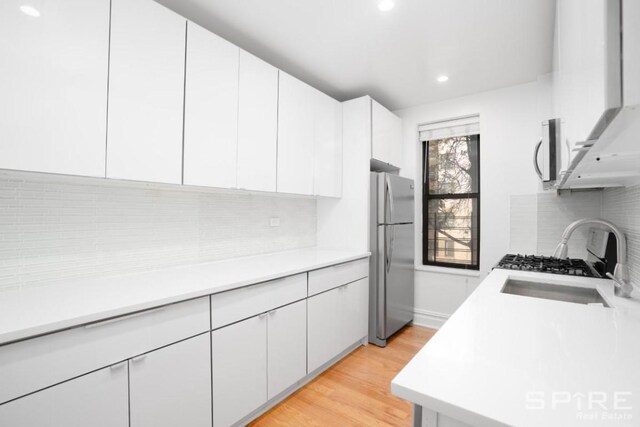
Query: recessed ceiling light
point(442, 78)
point(386, 5)
point(30, 10)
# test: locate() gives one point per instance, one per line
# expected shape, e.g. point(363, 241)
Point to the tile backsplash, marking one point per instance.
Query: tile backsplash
point(538, 221)
point(57, 227)
point(622, 207)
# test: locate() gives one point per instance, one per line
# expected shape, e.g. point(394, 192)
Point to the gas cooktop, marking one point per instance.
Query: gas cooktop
point(543, 264)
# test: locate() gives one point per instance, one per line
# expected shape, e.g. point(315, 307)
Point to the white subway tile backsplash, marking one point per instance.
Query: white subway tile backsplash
point(622, 207)
point(57, 227)
point(537, 221)
point(553, 213)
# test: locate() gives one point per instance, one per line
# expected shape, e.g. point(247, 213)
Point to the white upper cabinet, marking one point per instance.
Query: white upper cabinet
point(386, 135)
point(631, 51)
point(146, 88)
point(257, 124)
point(54, 86)
point(328, 146)
point(211, 110)
point(588, 67)
point(296, 118)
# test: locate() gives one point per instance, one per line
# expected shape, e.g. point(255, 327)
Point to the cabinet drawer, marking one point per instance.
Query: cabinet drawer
point(33, 364)
point(337, 275)
point(232, 306)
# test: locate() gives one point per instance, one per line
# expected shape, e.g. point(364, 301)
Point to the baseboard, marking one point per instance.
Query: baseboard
point(429, 319)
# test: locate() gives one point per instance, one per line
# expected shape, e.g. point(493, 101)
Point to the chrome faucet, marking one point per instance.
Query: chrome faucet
point(622, 287)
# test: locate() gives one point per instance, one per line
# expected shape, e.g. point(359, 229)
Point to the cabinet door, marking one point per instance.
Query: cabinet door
point(239, 354)
point(386, 135)
point(355, 309)
point(324, 328)
point(97, 399)
point(296, 117)
point(146, 85)
point(172, 386)
point(257, 124)
point(588, 65)
point(54, 66)
point(631, 52)
point(328, 146)
point(287, 346)
point(211, 110)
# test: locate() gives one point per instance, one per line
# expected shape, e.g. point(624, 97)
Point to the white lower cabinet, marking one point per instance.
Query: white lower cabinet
point(171, 386)
point(239, 354)
point(286, 347)
point(256, 359)
point(355, 312)
point(336, 319)
point(98, 399)
point(323, 327)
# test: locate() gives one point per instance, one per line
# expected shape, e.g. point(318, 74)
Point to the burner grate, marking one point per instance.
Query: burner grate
point(543, 264)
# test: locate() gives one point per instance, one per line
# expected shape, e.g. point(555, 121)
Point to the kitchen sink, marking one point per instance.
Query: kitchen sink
point(553, 292)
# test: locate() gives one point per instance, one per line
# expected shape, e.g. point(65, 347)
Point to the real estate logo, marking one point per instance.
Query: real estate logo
point(592, 405)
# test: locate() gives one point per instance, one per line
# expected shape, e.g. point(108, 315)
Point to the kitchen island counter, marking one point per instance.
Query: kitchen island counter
point(504, 359)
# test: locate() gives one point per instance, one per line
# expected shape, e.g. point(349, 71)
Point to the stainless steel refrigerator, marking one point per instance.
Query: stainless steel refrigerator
point(391, 277)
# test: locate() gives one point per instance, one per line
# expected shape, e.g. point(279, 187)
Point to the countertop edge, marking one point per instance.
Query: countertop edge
point(456, 412)
point(52, 327)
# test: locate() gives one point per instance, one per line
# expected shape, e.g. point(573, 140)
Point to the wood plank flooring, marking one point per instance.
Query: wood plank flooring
point(356, 390)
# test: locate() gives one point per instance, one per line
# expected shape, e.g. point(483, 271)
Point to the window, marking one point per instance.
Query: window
point(451, 194)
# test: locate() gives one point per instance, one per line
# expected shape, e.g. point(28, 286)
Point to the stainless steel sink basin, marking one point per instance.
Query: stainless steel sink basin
point(553, 292)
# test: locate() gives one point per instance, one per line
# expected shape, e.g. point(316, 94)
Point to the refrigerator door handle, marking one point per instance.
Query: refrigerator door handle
point(381, 284)
point(392, 233)
point(389, 200)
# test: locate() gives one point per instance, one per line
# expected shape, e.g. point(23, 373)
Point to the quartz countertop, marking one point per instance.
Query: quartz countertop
point(505, 359)
point(34, 310)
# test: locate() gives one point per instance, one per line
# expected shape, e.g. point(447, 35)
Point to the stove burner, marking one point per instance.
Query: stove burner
point(542, 264)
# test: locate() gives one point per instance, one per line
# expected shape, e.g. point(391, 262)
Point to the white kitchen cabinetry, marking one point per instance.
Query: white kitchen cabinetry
point(286, 347)
point(327, 146)
point(171, 386)
point(239, 354)
point(97, 399)
point(386, 135)
point(337, 319)
point(54, 86)
point(257, 124)
point(146, 88)
point(296, 119)
point(631, 52)
point(256, 359)
point(211, 110)
point(587, 78)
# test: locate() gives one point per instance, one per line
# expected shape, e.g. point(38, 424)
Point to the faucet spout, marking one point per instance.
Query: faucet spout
point(621, 271)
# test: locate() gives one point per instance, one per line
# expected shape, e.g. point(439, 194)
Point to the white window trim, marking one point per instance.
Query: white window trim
point(447, 270)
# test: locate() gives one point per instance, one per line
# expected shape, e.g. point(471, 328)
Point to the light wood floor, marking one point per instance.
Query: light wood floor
point(356, 390)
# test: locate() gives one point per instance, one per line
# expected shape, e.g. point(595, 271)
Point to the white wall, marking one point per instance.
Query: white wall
point(510, 121)
point(54, 227)
point(343, 223)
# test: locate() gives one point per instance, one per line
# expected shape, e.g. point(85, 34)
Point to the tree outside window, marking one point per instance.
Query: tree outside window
point(451, 202)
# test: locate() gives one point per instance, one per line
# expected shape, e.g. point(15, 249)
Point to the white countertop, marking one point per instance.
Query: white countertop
point(505, 359)
point(36, 310)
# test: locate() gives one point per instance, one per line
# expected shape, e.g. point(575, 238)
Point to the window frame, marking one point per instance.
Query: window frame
point(426, 197)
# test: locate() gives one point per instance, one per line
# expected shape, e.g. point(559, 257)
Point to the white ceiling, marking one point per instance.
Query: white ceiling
point(348, 48)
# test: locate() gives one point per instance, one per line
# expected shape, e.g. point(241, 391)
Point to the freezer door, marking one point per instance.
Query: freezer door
point(395, 278)
point(396, 195)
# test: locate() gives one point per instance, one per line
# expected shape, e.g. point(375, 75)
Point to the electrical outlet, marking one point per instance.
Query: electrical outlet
point(274, 222)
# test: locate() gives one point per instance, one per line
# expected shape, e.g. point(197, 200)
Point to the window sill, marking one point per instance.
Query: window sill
point(447, 270)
